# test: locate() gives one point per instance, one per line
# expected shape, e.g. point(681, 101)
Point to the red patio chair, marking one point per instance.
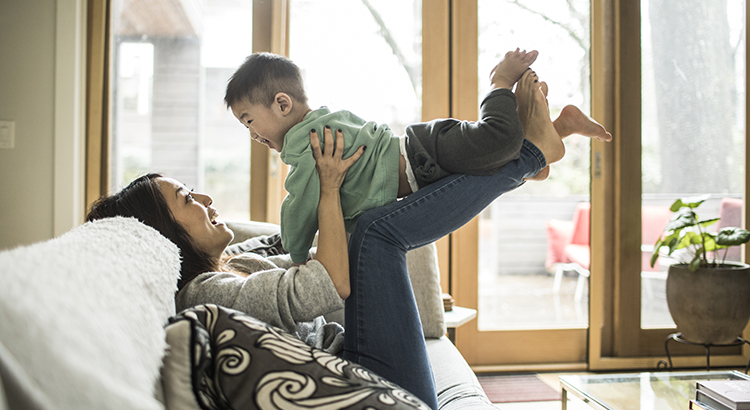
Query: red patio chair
point(568, 243)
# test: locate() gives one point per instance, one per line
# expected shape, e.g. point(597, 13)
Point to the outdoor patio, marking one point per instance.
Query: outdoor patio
point(516, 291)
point(529, 301)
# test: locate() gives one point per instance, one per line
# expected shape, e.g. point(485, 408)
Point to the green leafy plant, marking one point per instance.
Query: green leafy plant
point(686, 231)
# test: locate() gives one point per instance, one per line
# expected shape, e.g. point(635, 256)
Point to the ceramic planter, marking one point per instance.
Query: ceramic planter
point(710, 305)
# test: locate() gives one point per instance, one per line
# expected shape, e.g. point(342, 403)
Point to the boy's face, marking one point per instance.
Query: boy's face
point(266, 124)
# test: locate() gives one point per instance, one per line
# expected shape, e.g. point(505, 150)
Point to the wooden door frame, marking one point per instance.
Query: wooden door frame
point(267, 172)
point(616, 340)
point(548, 349)
point(436, 91)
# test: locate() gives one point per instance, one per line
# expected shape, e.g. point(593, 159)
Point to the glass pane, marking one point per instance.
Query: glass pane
point(693, 79)
point(525, 278)
point(640, 391)
point(361, 56)
point(171, 64)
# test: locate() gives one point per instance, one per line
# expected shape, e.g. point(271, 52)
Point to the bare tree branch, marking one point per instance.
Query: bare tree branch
point(575, 12)
point(546, 18)
point(410, 70)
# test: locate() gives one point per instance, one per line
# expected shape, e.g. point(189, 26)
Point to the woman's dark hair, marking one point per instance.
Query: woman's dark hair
point(143, 200)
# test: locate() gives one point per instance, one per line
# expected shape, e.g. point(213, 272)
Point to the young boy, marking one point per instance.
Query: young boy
point(267, 95)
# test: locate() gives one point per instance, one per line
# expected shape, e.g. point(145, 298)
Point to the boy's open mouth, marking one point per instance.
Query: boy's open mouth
point(263, 141)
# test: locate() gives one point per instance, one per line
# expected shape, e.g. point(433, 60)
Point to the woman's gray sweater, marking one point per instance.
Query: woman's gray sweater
point(276, 292)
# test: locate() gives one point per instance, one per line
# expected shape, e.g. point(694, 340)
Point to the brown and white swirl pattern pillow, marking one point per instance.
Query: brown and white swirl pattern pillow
point(237, 361)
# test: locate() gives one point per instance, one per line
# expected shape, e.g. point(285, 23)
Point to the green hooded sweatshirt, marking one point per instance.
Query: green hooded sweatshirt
point(371, 182)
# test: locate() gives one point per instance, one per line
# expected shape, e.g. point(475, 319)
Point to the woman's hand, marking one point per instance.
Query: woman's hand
point(333, 252)
point(330, 164)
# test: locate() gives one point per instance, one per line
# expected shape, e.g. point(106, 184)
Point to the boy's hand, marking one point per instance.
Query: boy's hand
point(509, 70)
point(330, 164)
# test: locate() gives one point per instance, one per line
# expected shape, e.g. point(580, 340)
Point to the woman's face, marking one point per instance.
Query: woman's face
point(194, 213)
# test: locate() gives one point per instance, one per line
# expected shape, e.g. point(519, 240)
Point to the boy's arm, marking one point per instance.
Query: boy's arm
point(299, 210)
point(332, 244)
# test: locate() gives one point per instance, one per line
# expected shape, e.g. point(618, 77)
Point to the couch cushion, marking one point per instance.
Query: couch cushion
point(239, 362)
point(83, 314)
point(456, 384)
point(177, 375)
point(424, 273)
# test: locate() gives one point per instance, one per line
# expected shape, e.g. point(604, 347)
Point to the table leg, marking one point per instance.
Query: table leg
point(452, 334)
point(564, 399)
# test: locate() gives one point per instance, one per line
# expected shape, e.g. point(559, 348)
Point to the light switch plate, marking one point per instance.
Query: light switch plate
point(7, 134)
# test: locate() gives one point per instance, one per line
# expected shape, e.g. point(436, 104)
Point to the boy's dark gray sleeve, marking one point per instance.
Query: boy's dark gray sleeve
point(440, 148)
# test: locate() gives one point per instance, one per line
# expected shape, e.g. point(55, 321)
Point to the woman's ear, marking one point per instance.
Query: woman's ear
point(284, 103)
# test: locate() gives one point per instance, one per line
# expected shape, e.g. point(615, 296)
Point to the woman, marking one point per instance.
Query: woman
point(189, 220)
point(383, 331)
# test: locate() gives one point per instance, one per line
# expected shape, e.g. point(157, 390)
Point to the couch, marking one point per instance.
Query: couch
point(87, 320)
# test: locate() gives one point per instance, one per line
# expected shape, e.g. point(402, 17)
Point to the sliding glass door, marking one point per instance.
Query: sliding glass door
point(692, 143)
point(695, 147)
point(526, 280)
point(531, 297)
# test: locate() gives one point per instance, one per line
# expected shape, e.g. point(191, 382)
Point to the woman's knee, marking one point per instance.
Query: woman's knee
point(375, 228)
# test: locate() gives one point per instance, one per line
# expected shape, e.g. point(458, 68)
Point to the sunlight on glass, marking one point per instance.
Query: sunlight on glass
point(133, 103)
point(693, 87)
point(168, 111)
point(522, 233)
point(361, 56)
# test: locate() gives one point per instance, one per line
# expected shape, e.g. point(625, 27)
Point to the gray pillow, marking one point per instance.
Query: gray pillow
point(237, 361)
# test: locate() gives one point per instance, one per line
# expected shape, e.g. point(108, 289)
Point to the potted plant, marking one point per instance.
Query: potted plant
point(708, 298)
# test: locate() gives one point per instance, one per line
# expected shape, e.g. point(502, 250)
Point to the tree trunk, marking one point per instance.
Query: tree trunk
point(695, 81)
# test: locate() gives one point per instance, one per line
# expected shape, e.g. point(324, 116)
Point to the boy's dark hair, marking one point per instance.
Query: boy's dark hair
point(143, 200)
point(261, 77)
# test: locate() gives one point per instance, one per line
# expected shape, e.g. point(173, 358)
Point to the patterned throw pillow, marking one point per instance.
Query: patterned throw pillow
point(240, 362)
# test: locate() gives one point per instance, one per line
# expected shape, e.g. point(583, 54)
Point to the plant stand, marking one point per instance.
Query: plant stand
point(679, 338)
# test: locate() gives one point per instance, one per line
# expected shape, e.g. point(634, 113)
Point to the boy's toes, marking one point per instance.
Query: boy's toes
point(528, 78)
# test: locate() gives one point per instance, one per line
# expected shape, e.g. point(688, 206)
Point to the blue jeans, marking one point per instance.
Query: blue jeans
point(383, 331)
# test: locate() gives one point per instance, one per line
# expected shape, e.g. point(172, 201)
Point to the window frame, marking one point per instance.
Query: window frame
point(615, 340)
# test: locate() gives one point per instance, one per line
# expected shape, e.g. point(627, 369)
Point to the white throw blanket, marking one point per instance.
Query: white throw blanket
point(83, 315)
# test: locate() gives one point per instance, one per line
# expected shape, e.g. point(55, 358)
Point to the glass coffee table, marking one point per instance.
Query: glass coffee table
point(639, 391)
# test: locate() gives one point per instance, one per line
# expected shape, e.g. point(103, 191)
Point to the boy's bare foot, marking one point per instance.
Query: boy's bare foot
point(573, 121)
point(507, 72)
point(534, 115)
point(544, 172)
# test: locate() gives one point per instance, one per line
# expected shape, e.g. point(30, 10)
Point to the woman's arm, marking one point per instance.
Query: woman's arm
point(332, 247)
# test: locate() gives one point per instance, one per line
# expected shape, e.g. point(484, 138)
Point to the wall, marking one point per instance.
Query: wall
point(31, 95)
point(27, 72)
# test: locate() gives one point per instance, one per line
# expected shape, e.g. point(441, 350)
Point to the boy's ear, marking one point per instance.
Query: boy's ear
point(284, 103)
